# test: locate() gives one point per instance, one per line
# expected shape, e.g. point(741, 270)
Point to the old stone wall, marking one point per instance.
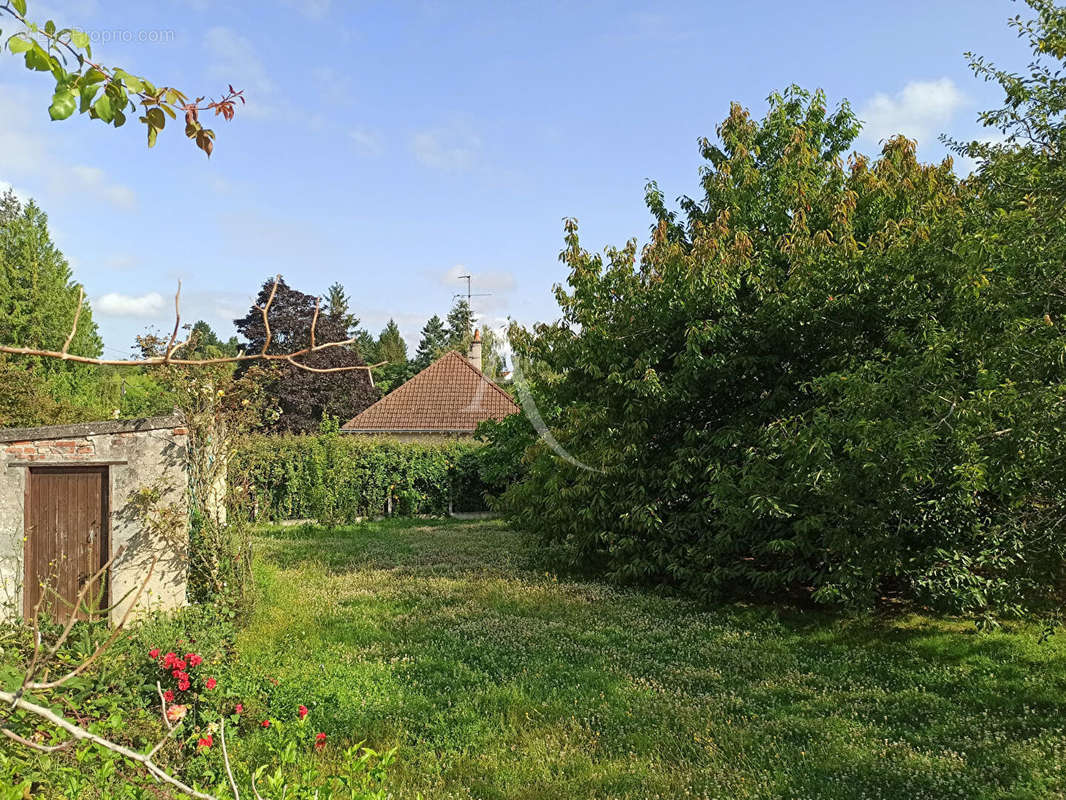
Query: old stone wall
point(139, 454)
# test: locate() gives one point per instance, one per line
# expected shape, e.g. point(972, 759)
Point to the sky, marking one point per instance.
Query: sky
point(392, 146)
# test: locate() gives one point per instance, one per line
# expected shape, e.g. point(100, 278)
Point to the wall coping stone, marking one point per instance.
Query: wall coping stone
point(82, 429)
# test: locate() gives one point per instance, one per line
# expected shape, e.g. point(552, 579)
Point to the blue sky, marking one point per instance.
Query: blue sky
point(394, 145)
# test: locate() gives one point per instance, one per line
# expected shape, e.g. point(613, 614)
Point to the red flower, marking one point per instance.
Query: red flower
point(266, 723)
point(183, 686)
point(210, 683)
point(153, 653)
point(302, 711)
point(168, 696)
point(193, 659)
point(179, 664)
point(320, 741)
point(205, 742)
point(239, 709)
point(168, 660)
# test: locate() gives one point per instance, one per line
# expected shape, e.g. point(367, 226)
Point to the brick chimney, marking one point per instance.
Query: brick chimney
point(474, 354)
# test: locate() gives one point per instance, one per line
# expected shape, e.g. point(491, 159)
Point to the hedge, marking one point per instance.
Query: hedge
point(337, 479)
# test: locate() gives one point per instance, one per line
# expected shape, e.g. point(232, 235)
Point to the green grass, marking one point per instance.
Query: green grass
point(498, 679)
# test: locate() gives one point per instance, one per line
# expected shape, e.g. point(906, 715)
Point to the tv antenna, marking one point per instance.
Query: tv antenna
point(469, 294)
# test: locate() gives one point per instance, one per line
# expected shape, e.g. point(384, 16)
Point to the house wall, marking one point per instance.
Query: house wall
point(139, 454)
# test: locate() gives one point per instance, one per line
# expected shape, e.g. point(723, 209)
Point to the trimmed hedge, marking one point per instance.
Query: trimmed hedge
point(337, 479)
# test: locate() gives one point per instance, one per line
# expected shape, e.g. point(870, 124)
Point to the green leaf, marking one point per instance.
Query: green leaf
point(156, 118)
point(153, 133)
point(20, 6)
point(37, 59)
point(79, 39)
point(102, 108)
point(88, 92)
point(93, 75)
point(132, 82)
point(16, 44)
point(50, 28)
point(63, 104)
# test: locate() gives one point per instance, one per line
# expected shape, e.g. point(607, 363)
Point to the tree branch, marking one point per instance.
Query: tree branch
point(173, 346)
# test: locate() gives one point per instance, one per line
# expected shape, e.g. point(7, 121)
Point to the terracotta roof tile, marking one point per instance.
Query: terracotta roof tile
point(450, 395)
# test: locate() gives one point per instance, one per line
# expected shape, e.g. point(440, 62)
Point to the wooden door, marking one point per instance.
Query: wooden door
point(66, 538)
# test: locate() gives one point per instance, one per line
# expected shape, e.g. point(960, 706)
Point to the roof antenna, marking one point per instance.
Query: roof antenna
point(469, 294)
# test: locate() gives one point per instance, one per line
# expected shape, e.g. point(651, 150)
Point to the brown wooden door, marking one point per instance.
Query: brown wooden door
point(66, 538)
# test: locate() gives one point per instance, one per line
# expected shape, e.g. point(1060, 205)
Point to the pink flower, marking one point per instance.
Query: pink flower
point(176, 712)
point(302, 711)
point(210, 683)
point(239, 709)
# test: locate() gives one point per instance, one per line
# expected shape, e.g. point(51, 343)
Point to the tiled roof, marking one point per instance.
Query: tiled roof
point(450, 395)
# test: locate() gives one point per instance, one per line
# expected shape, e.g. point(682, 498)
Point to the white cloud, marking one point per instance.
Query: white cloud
point(27, 149)
point(450, 147)
point(481, 281)
point(236, 62)
point(920, 111)
point(121, 262)
point(116, 304)
point(94, 179)
point(367, 142)
point(312, 9)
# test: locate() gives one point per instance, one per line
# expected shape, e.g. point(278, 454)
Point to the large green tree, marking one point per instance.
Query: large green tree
point(432, 344)
point(304, 397)
point(38, 295)
point(460, 325)
point(839, 379)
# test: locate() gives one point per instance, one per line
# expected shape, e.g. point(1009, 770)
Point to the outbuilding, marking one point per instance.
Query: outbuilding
point(71, 499)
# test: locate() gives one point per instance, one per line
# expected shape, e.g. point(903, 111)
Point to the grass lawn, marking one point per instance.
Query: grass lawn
point(497, 679)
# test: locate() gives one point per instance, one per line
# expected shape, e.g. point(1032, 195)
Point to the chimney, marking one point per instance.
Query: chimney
point(474, 354)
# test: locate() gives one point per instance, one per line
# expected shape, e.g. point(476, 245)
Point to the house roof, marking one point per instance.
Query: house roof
point(451, 395)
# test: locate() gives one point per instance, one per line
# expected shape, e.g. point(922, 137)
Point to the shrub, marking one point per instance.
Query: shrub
point(338, 479)
point(840, 381)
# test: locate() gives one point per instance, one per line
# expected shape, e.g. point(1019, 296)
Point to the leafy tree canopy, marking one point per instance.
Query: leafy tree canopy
point(839, 379)
point(305, 397)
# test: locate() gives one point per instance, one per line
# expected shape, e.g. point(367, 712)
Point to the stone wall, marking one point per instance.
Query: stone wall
point(139, 454)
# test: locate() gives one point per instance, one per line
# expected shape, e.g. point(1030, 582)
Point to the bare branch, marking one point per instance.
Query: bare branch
point(81, 734)
point(44, 748)
point(177, 324)
point(34, 664)
point(225, 760)
point(77, 313)
point(266, 315)
point(115, 633)
point(173, 346)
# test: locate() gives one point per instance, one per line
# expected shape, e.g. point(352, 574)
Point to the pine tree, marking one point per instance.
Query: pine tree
point(38, 296)
point(338, 310)
point(460, 326)
point(432, 345)
point(391, 346)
